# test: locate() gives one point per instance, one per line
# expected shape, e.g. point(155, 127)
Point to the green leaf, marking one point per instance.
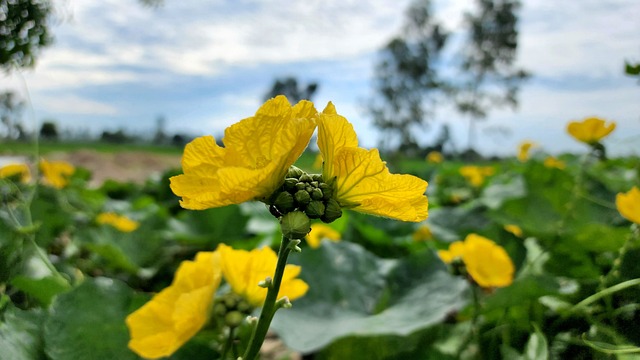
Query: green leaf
point(43, 289)
point(88, 322)
point(353, 293)
point(537, 347)
point(21, 335)
point(210, 227)
point(501, 189)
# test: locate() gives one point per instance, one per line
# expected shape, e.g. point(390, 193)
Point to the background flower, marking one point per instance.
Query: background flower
point(56, 173)
point(21, 170)
point(590, 130)
point(122, 223)
point(628, 204)
point(320, 231)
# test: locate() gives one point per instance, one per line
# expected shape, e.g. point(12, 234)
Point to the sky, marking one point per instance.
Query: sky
point(205, 65)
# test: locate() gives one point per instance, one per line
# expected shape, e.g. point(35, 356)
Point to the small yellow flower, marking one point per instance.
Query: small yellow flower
point(243, 270)
point(320, 231)
point(514, 229)
point(12, 170)
point(177, 313)
point(122, 223)
point(523, 150)
point(56, 173)
point(258, 152)
point(434, 157)
point(487, 263)
point(423, 233)
point(317, 163)
point(361, 179)
point(476, 174)
point(552, 162)
point(628, 204)
point(590, 130)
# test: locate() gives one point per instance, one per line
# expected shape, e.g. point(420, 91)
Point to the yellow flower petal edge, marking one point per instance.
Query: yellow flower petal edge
point(487, 262)
point(122, 223)
point(456, 250)
point(243, 270)
point(552, 162)
point(423, 233)
point(590, 130)
point(319, 232)
point(256, 155)
point(14, 170)
point(56, 173)
point(514, 229)
point(177, 313)
point(523, 150)
point(628, 204)
point(434, 157)
point(361, 179)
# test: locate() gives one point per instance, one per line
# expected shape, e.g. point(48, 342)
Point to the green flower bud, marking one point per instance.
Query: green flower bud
point(284, 202)
point(302, 197)
point(301, 186)
point(317, 177)
point(305, 178)
point(234, 319)
point(219, 309)
point(316, 194)
point(295, 225)
point(294, 172)
point(230, 302)
point(290, 184)
point(315, 209)
point(244, 307)
point(332, 211)
point(309, 189)
point(327, 191)
point(314, 184)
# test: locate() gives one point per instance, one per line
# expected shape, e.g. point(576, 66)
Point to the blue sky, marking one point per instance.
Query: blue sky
point(204, 65)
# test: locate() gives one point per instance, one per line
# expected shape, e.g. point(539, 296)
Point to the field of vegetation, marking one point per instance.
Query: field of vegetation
point(528, 257)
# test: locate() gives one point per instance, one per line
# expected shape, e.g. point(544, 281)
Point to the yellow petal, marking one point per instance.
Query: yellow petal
point(523, 152)
point(177, 313)
point(257, 154)
point(628, 204)
point(423, 233)
point(56, 173)
point(552, 162)
point(514, 229)
point(456, 249)
point(487, 262)
point(319, 232)
point(122, 223)
point(334, 134)
point(14, 170)
point(590, 130)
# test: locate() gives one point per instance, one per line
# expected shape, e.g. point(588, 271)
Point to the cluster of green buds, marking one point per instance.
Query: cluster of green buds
point(232, 308)
point(302, 197)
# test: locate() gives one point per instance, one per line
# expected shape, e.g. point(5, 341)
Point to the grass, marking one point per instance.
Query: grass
point(45, 147)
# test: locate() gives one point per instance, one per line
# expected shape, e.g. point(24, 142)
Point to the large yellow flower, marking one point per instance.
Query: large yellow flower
point(523, 150)
point(11, 170)
point(361, 179)
point(486, 262)
point(590, 130)
point(244, 270)
point(56, 173)
point(122, 223)
point(256, 155)
point(628, 204)
point(476, 174)
point(319, 232)
point(178, 312)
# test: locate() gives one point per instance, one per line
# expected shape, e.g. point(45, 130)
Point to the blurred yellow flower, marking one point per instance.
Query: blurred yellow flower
point(422, 233)
point(476, 174)
point(317, 163)
point(122, 223)
point(177, 313)
point(320, 231)
point(487, 263)
point(435, 157)
point(523, 150)
point(552, 162)
point(243, 270)
point(361, 180)
point(514, 229)
point(12, 170)
point(256, 155)
point(628, 204)
point(590, 130)
point(56, 173)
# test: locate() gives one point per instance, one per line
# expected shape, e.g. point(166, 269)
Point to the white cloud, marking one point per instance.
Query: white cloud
point(72, 104)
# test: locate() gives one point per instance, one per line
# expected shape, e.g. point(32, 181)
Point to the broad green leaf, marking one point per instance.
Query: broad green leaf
point(43, 289)
point(537, 347)
point(501, 189)
point(21, 335)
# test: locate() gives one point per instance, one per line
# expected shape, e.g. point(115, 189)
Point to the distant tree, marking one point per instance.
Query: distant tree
point(290, 88)
point(406, 80)
point(632, 69)
point(116, 137)
point(160, 137)
point(489, 76)
point(23, 31)
point(11, 107)
point(49, 131)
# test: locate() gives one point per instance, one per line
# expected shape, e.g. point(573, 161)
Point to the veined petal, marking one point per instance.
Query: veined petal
point(334, 134)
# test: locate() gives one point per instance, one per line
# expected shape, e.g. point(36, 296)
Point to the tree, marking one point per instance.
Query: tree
point(290, 88)
point(406, 81)
point(49, 131)
point(11, 107)
point(23, 31)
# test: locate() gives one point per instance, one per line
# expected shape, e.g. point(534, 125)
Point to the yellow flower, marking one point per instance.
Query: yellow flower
point(590, 130)
point(12, 170)
point(56, 173)
point(434, 157)
point(178, 312)
point(523, 151)
point(122, 223)
point(317, 163)
point(423, 233)
point(476, 174)
point(319, 232)
point(361, 179)
point(628, 204)
point(552, 162)
point(243, 270)
point(487, 263)
point(258, 152)
point(514, 229)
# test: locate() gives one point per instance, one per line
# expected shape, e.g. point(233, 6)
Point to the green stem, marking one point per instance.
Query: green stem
point(228, 344)
point(606, 292)
point(269, 308)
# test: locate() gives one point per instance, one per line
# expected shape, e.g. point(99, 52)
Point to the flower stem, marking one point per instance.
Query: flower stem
point(228, 344)
point(269, 308)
